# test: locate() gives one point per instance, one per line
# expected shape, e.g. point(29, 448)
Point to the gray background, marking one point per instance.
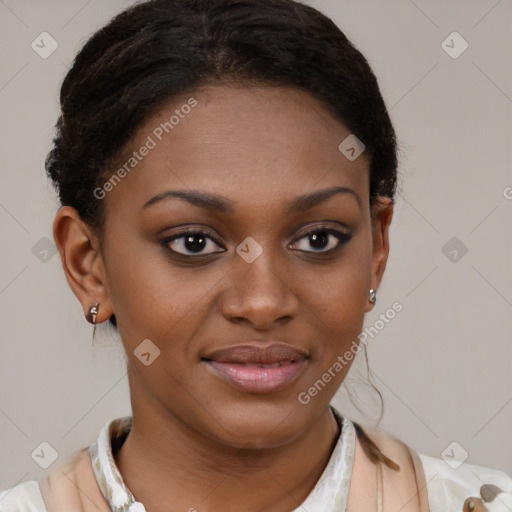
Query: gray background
point(443, 364)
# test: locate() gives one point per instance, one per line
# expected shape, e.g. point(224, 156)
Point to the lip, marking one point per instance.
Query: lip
point(256, 368)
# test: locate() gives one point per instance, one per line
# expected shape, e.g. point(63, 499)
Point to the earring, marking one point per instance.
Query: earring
point(93, 311)
point(91, 318)
point(372, 296)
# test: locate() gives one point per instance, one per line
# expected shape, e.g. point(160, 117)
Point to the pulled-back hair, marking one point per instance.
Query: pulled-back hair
point(161, 48)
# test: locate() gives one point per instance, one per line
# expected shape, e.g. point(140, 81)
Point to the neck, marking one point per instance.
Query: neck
point(163, 461)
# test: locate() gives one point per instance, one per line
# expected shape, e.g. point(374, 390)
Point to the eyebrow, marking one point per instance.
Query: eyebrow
point(219, 204)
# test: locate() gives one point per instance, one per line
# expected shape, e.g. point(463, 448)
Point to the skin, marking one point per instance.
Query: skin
point(197, 441)
point(473, 505)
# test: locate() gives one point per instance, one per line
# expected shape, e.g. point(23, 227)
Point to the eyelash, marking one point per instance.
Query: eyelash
point(342, 237)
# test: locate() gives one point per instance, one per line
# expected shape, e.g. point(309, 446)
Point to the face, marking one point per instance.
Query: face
point(241, 246)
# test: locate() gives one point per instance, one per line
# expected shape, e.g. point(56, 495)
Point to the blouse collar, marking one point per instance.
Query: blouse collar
point(329, 494)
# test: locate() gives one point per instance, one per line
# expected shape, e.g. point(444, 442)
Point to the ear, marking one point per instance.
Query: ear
point(82, 261)
point(382, 213)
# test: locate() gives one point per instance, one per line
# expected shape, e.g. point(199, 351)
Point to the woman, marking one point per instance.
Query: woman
point(227, 171)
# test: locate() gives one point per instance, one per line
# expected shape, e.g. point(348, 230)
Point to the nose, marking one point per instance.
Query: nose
point(259, 295)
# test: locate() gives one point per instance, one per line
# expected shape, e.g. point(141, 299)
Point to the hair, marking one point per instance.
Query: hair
point(159, 49)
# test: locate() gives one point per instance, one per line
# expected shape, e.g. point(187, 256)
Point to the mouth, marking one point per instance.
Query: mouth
point(256, 369)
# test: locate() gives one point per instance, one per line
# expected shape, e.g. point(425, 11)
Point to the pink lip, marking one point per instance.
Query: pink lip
point(256, 369)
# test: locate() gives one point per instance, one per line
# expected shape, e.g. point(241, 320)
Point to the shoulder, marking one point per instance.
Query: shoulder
point(61, 491)
point(74, 487)
point(24, 497)
point(403, 481)
point(448, 484)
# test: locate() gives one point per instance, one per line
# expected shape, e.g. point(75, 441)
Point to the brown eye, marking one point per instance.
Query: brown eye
point(321, 240)
point(192, 243)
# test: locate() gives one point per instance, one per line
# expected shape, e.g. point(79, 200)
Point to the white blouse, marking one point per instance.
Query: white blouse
point(447, 487)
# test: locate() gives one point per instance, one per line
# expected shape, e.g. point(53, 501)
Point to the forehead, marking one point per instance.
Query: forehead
point(252, 144)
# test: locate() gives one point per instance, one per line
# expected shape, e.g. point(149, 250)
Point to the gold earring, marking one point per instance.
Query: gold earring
point(372, 296)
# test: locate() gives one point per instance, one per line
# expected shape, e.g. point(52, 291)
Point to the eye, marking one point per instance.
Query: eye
point(321, 240)
point(192, 243)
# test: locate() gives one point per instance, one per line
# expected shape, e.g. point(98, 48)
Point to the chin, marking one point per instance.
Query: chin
point(263, 424)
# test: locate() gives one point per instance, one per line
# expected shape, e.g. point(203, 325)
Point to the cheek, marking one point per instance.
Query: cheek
point(339, 313)
point(338, 299)
point(339, 294)
point(139, 286)
point(153, 299)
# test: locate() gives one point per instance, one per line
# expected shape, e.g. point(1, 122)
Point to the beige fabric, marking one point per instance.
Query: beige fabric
point(403, 490)
point(74, 487)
